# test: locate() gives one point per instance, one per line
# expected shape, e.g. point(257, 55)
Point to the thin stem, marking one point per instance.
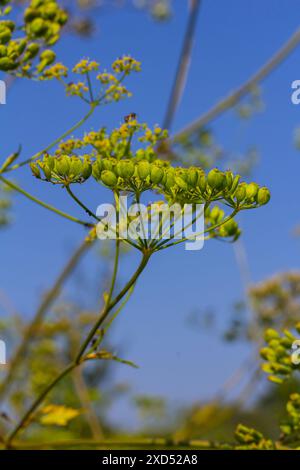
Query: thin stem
point(44, 204)
point(83, 206)
point(26, 418)
point(163, 245)
point(90, 87)
point(107, 309)
point(37, 402)
point(46, 303)
point(183, 64)
point(233, 98)
point(56, 141)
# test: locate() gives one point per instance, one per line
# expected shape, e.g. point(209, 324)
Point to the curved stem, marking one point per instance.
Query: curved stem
point(37, 402)
point(46, 303)
point(44, 204)
point(163, 245)
point(107, 309)
point(83, 206)
point(56, 141)
point(78, 361)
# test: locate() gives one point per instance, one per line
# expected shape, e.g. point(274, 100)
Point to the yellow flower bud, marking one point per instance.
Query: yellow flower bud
point(109, 178)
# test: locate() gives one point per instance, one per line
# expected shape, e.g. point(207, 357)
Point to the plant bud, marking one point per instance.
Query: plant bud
point(235, 183)
point(107, 164)
point(48, 56)
point(193, 176)
point(5, 35)
point(3, 51)
point(170, 180)
point(31, 51)
point(251, 190)
point(38, 27)
point(270, 334)
point(125, 169)
point(143, 169)
point(216, 214)
point(35, 170)
point(62, 166)
point(240, 193)
point(75, 166)
point(7, 64)
point(216, 179)
point(202, 183)
point(263, 196)
point(156, 174)
point(46, 170)
point(86, 169)
point(109, 178)
point(30, 14)
point(49, 161)
point(181, 183)
point(96, 169)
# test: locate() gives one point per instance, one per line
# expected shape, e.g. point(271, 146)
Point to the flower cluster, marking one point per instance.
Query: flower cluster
point(292, 425)
point(276, 300)
point(111, 86)
point(278, 355)
point(43, 20)
point(251, 439)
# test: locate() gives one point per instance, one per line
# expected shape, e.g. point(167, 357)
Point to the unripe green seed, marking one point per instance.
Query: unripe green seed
point(202, 183)
point(270, 334)
point(38, 27)
point(216, 179)
point(235, 183)
point(62, 166)
point(170, 180)
point(181, 183)
point(7, 64)
point(35, 170)
point(31, 51)
point(48, 56)
point(3, 51)
point(30, 14)
point(143, 169)
point(109, 178)
point(263, 196)
point(8, 24)
point(216, 214)
point(107, 164)
point(156, 174)
point(251, 190)
point(5, 35)
point(193, 176)
point(125, 169)
point(75, 166)
point(240, 193)
point(86, 170)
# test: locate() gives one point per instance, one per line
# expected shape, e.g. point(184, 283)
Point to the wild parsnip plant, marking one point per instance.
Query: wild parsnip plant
point(126, 160)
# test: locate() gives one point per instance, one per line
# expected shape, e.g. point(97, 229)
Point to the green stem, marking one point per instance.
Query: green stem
point(83, 206)
point(82, 350)
point(56, 141)
point(37, 402)
point(210, 229)
point(44, 204)
point(107, 308)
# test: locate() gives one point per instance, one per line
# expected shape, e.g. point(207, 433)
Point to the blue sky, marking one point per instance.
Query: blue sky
point(233, 39)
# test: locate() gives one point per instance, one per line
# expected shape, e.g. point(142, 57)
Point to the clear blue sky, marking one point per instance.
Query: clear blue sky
point(233, 39)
